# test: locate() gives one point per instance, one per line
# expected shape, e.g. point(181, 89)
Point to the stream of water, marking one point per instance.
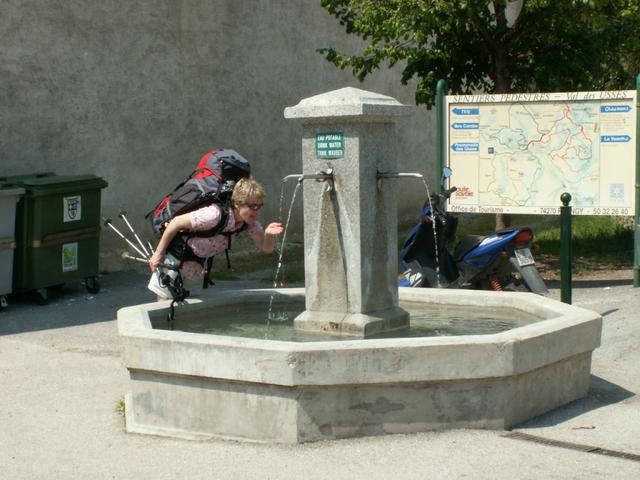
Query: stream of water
point(435, 233)
point(280, 250)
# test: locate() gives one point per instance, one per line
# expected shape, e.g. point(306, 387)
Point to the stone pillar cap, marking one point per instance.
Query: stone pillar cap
point(348, 102)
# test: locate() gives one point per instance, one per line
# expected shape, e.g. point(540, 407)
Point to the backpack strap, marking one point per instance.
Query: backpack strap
point(219, 227)
point(229, 236)
point(206, 278)
point(180, 248)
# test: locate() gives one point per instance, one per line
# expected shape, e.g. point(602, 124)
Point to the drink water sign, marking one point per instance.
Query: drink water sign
point(330, 145)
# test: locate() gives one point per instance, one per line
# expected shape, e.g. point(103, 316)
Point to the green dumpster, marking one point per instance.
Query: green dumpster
point(57, 232)
point(9, 197)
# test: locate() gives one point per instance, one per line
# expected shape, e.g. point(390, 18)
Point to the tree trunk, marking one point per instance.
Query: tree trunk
point(502, 85)
point(503, 220)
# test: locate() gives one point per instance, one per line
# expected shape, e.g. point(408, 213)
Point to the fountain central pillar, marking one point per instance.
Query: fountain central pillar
point(350, 220)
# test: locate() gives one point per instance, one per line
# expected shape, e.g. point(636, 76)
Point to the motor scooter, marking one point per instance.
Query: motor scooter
point(499, 261)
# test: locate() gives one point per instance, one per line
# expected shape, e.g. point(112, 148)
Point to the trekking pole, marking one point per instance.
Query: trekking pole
point(123, 216)
point(128, 256)
point(107, 222)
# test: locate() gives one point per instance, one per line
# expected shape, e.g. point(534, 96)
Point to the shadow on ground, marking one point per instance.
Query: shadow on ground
point(592, 283)
point(601, 394)
point(71, 304)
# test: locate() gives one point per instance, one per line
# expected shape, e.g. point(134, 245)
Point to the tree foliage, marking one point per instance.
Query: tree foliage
point(494, 46)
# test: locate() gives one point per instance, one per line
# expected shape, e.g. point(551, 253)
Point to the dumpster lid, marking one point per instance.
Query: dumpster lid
point(18, 180)
point(6, 190)
point(64, 182)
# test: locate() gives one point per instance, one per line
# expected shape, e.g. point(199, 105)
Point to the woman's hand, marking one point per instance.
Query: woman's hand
point(266, 240)
point(176, 225)
point(156, 259)
point(274, 228)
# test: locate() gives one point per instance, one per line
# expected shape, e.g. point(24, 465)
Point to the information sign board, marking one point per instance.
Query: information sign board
point(517, 153)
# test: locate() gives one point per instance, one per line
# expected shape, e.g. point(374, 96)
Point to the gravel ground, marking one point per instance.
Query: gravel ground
point(62, 380)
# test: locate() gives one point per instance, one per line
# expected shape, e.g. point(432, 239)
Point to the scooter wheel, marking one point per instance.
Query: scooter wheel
point(516, 286)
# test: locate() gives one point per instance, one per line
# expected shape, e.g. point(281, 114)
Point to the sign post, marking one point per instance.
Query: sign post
point(565, 248)
point(636, 223)
point(441, 92)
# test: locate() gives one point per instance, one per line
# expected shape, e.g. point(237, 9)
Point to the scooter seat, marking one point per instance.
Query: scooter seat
point(466, 244)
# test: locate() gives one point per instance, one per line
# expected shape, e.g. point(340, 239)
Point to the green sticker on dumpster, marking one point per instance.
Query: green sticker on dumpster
point(70, 257)
point(330, 145)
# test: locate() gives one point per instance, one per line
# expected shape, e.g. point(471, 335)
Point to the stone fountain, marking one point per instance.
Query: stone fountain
point(196, 385)
point(350, 225)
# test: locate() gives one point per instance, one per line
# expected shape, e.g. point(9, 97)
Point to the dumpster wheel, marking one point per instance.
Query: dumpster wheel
point(92, 284)
point(42, 296)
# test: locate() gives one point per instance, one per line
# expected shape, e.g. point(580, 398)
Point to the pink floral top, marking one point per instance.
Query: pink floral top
point(204, 247)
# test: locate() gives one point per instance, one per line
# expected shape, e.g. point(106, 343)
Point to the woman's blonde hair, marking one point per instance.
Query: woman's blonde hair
point(246, 191)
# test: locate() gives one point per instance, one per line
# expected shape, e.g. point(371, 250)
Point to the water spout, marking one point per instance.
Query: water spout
point(319, 177)
point(398, 175)
point(299, 178)
point(383, 175)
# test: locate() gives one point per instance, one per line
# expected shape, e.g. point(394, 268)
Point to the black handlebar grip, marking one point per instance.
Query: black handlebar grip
point(447, 193)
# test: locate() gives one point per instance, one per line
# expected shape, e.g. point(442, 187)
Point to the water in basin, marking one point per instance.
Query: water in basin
point(251, 320)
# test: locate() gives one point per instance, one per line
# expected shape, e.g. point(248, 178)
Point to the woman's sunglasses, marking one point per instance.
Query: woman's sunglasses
point(255, 206)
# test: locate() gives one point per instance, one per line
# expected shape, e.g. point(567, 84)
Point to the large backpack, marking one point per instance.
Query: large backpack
point(211, 182)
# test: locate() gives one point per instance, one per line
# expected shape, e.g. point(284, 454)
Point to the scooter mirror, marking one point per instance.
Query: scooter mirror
point(446, 172)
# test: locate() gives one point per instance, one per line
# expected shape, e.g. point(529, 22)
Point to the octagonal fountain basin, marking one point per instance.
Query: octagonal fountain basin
point(523, 356)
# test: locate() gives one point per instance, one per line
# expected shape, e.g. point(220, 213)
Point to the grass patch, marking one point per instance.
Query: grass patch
point(291, 272)
point(120, 407)
point(602, 240)
point(245, 263)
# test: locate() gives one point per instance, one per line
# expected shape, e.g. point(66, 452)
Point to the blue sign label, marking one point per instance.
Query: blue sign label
point(615, 138)
point(466, 111)
point(615, 108)
point(465, 126)
point(465, 147)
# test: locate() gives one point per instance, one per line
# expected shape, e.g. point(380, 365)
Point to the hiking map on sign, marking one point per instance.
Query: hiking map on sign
point(518, 153)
